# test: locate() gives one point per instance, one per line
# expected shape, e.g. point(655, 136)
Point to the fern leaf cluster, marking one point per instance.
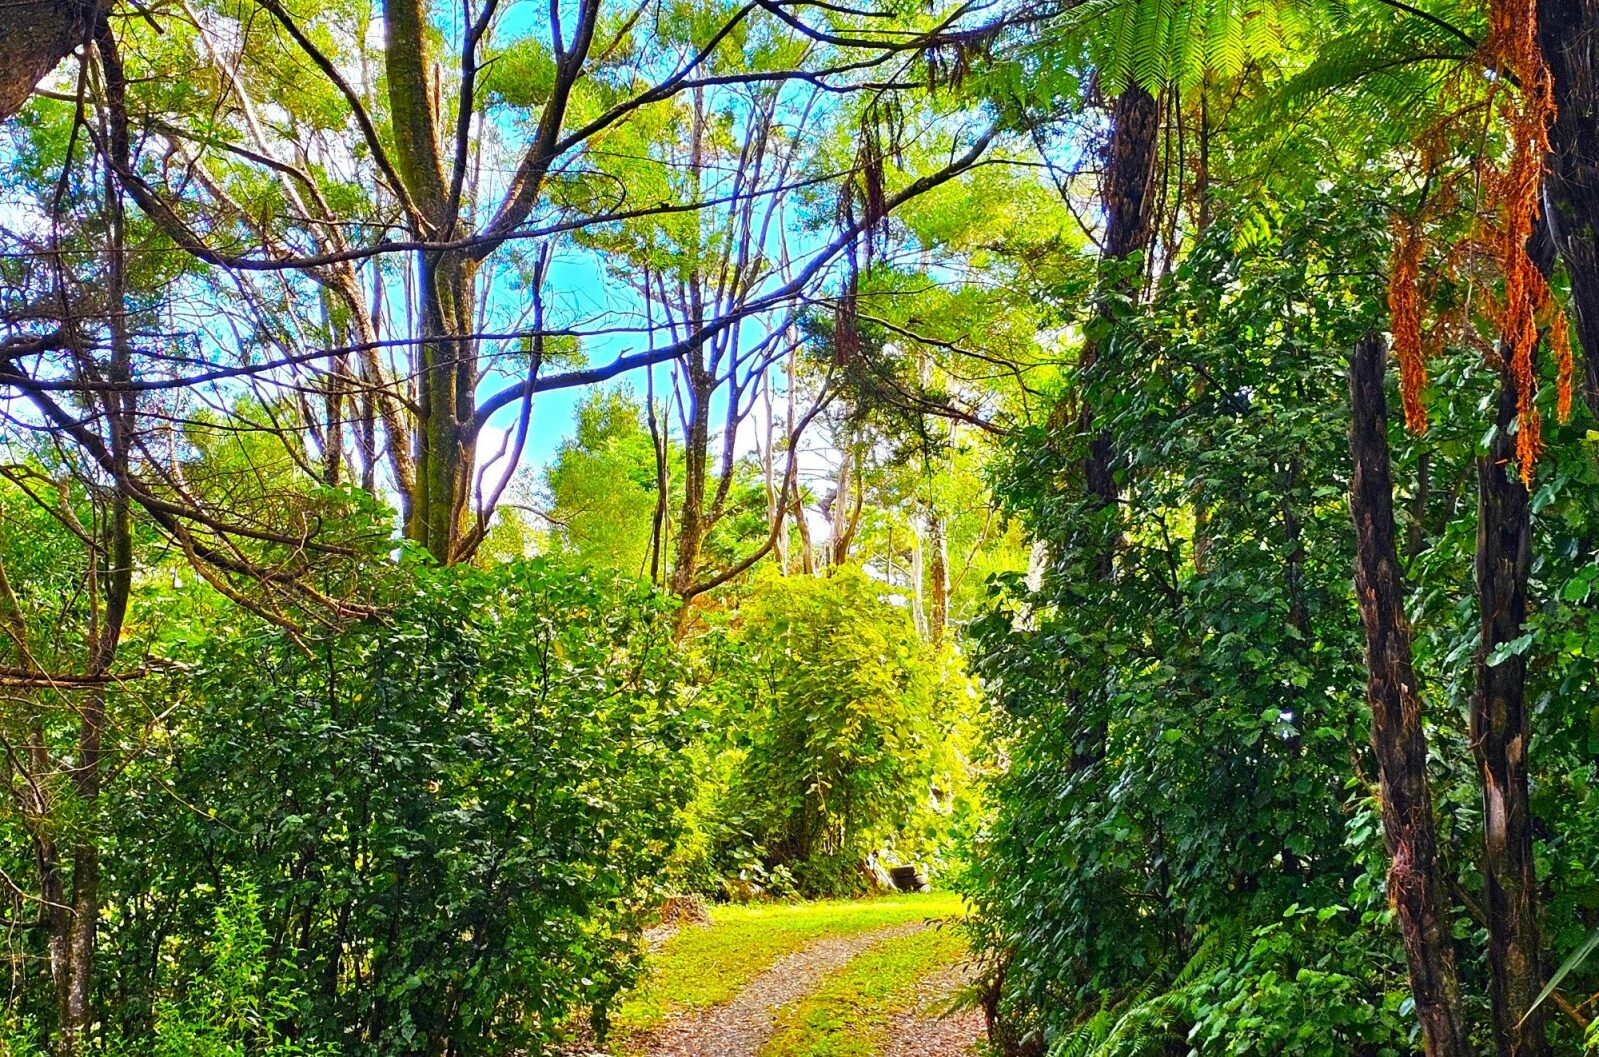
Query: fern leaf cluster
point(1160, 43)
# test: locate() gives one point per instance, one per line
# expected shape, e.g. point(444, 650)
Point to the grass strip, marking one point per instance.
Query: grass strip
point(849, 1015)
point(708, 965)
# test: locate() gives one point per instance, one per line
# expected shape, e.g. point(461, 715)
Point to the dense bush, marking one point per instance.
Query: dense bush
point(454, 816)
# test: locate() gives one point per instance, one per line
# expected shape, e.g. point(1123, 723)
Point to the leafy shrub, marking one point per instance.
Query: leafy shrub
point(1180, 734)
point(1188, 739)
point(455, 816)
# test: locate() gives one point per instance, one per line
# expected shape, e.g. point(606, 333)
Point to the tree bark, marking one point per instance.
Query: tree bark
point(1415, 885)
point(845, 511)
point(692, 521)
point(1568, 35)
point(1127, 193)
point(1499, 734)
point(1129, 200)
point(35, 35)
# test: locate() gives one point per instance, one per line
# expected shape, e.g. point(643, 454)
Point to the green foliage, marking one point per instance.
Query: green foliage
point(1158, 43)
point(1180, 734)
point(838, 711)
point(602, 485)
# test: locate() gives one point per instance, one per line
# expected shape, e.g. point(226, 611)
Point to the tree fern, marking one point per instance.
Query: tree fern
point(1116, 67)
point(1164, 43)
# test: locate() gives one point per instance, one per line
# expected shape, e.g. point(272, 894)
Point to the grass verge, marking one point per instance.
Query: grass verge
point(849, 1015)
point(708, 965)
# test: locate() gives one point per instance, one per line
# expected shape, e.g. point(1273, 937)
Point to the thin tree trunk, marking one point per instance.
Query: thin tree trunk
point(916, 580)
point(663, 483)
point(691, 527)
point(938, 577)
point(775, 515)
point(110, 586)
point(802, 528)
point(849, 498)
point(1415, 886)
point(1298, 619)
point(1499, 734)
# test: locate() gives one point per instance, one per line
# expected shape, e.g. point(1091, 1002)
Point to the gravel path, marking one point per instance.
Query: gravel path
point(926, 1032)
point(738, 1028)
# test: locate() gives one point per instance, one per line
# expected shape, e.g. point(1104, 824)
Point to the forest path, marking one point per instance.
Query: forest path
point(871, 978)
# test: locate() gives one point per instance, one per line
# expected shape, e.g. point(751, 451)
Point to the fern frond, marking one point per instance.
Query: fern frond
point(1138, 1024)
point(1150, 58)
point(1117, 71)
point(1224, 39)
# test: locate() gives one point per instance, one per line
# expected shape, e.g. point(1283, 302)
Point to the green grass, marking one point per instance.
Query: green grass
point(707, 966)
point(849, 1015)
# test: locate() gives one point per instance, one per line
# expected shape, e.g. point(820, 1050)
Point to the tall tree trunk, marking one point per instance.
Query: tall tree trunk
point(848, 501)
point(916, 581)
point(1499, 734)
point(802, 529)
point(663, 480)
point(1415, 885)
point(1568, 35)
point(446, 436)
point(1297, 699)
point(447, 385)
point(775, 514)
point(691, 527)
point(1127, 191)
point(109, 590)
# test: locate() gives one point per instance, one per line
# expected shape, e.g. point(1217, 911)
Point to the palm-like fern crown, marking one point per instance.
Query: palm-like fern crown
point(1389, 60)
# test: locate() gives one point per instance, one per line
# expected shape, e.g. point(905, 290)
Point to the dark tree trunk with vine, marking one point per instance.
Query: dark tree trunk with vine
point(1128, 194)
point(1568, 35)
point(938, 575)
point(1415, 885)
